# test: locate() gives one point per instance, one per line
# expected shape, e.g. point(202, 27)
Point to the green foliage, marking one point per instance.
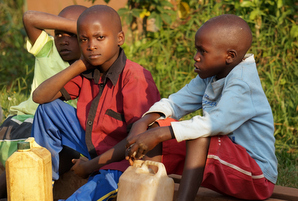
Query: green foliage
point(160, 10)
point(287, 169)
point(168, 54)
point(16, 65)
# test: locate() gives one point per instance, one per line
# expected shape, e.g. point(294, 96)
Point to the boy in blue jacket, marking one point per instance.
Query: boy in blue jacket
point(230, 149)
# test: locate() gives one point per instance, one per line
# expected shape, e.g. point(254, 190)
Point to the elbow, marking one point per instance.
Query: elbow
point(35, 98)
point(38, 98)
point(27, 16)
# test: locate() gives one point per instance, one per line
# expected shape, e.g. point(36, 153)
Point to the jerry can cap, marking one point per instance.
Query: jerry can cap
point(23, 145)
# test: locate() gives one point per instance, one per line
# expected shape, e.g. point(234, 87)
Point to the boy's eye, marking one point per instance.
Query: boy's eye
point(59, 35)
point(100, 37)
point(201, 50)
point(83, 39)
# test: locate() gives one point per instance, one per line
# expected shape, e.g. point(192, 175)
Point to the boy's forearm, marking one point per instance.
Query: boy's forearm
point(49, 90)
point(35, 21)
point(150, 117)
point(116, 154)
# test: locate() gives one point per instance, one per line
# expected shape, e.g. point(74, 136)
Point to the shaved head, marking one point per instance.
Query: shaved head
point(72, 12)
point(103, 13)
point(232, 31)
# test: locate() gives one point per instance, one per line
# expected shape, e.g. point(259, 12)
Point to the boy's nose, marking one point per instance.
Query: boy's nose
point(197, 58)
point(92, 46)
point(64, 41)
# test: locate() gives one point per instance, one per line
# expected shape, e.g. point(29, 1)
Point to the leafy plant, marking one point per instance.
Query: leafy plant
point(16, 65)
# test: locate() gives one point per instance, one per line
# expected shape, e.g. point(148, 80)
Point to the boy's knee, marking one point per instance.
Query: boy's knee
point(50, 106)
point(199, 141)
point(199, 145)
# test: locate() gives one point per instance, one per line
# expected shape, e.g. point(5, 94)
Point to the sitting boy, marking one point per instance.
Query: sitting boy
point(230, 149)
point(52, 54)
point(113, 92)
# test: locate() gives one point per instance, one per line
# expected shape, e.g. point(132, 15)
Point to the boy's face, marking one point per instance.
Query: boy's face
point(99, 41)
point(210, 58)
point(67, 46)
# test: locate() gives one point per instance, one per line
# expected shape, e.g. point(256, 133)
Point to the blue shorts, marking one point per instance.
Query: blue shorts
point(100, 187)
point(56, 125)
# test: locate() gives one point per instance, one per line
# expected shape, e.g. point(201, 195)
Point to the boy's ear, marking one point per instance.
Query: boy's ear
point(231, 56)
point(121, 38)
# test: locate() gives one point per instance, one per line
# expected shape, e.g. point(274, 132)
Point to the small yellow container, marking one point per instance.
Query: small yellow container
point(139, 183)
point(29, 173)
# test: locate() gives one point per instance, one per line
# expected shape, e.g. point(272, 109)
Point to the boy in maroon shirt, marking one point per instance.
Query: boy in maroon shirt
point(113, 92)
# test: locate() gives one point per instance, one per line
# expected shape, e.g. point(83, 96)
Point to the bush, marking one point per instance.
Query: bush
point(168, 53)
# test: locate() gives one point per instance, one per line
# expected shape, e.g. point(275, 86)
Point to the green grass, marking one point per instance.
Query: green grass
point(287, 169)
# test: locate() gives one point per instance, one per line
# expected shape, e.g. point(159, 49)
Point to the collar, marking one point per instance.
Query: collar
point(113, 72)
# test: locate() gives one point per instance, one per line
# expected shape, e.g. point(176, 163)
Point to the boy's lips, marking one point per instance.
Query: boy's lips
point(64, 51)
point(94, 56)
point(197, 69)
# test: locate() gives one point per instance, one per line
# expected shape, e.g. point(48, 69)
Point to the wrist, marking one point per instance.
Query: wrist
point(164, 133)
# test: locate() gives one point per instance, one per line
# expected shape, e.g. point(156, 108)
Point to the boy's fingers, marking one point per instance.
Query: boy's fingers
point(140, 153)
point(130, 160)
point(130, 143)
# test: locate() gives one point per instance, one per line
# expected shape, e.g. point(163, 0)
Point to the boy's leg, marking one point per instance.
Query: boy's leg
point(102, 186)
point(230, 170)
point(195, 160)
point(56, 125)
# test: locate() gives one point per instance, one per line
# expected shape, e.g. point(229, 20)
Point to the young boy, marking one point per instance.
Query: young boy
point(230, 149)
point(113, 92)
point(52, 54)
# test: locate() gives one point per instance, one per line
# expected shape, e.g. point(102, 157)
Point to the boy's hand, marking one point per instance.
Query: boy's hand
point(80, 168)
point(138, 146)
point(87, 64)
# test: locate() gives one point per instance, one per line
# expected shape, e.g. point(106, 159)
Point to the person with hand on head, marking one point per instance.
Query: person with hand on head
point(113, 92)
point(52, 54)
point(230, 148)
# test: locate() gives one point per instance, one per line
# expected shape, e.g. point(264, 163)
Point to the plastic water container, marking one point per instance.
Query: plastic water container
point(29, 173)
point(140, 183)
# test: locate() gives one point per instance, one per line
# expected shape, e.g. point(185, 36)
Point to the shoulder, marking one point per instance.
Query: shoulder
point(135, 70)
point(246, 71)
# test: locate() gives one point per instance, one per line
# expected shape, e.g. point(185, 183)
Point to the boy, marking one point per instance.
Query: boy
point(52, 54)
point(113, 92)
point(230, 149)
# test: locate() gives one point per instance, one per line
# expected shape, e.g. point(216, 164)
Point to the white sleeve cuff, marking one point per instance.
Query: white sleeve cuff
point(198, 126)
point(162, 106)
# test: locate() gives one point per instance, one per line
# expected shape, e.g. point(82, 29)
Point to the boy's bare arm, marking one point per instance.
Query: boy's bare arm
point(49, 90)
point(142, 124)
point(85, 168)
point(36, 21)
point(139, 145)
point(117, 153)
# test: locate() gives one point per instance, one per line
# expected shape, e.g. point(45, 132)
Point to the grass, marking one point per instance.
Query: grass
point(287, 169)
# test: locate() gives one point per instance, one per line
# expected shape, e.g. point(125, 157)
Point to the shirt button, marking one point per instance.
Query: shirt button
point(89, 123)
